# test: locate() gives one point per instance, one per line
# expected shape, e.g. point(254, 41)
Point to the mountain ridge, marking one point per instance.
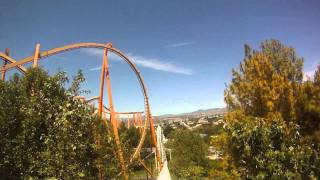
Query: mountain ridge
point(211, 111)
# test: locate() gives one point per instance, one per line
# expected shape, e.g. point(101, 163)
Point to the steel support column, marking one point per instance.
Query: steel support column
point(36, 55)
point(140, 122)
point(154, 137)
point(113, 116)
point(128, 122)
point(100, 166)
point(3, 75)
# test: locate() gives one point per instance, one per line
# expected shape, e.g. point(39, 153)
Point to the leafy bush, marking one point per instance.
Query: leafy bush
point(44, 132)
point(270, 149)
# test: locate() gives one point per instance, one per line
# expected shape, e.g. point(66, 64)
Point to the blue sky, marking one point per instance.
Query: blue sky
point(184, 49)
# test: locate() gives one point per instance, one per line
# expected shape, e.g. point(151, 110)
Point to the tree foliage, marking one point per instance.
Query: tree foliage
point(45, 132)
point(188, 154)
point(269, 148)
point(272, 128)
point(266, 80)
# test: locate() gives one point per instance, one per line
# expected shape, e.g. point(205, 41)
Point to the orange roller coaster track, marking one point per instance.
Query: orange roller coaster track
point(38, 55)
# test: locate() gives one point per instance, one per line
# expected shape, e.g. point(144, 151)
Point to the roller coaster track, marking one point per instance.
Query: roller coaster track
point(107, 47)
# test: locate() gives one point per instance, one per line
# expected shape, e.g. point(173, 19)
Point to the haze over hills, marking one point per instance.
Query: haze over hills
point(200, 112)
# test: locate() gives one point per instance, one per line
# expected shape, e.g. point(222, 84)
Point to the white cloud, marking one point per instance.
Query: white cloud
point(178, 44)
point(151, 63)
point(156, 64)
point(95, 68)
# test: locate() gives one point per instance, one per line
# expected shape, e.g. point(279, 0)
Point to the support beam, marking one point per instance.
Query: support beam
point(100, 100)
point(134, 119)
point(128, 122)
point(113, 116)
point(129, 112)
point(12, 61)
point(145, 166)
point(118, 120)
point(3, 75)
point(154, 137)
point(140, 122)
point(36, 55)
point(100, 166)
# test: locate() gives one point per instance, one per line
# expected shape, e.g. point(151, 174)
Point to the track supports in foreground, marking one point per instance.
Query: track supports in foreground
point(113, 116)
point(105, 72)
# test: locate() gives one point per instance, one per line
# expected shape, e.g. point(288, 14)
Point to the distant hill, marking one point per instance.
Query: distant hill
point(197, 113)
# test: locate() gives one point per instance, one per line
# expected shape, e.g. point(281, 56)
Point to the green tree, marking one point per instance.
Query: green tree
point(308, 109)
point(269, 148)
point(167, 129)
point(317, 76)
point(188, 154)
point(45, 132)
point(266, 81)
point(273, 117)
